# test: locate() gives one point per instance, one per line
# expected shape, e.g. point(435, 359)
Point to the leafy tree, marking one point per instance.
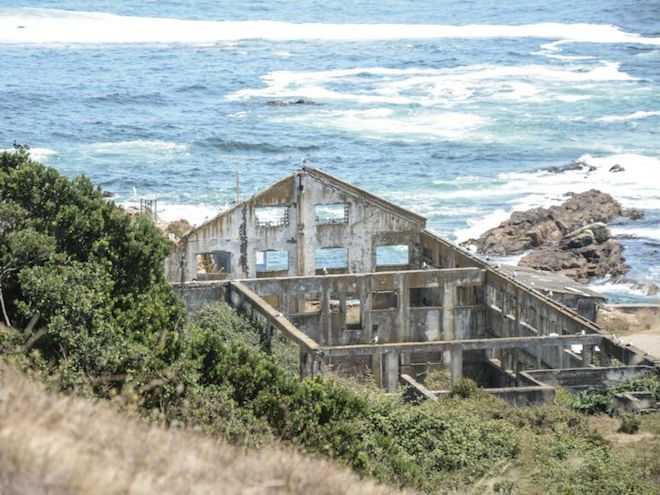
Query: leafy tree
point(92, 274)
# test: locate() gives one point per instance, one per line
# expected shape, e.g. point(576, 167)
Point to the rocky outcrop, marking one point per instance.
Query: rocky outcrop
point(533, 228)
point(571, 238)
point(582, 261)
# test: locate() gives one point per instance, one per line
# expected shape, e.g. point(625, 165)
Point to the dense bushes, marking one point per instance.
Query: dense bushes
point(90, 276)
point(372, 433)
point(598, 401)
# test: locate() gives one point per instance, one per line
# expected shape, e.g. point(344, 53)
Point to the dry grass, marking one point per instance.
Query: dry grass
point(51, 444)
point(621, 324)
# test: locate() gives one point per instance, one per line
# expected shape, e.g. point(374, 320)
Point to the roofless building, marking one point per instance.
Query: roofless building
point(361, 286)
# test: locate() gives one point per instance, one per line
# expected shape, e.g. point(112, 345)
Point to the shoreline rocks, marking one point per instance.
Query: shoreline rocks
point(572, 238)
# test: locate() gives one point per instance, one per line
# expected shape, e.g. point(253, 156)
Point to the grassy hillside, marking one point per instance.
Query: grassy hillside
point(52, 444)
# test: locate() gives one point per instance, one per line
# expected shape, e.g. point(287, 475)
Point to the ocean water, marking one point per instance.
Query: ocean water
point(452, 109)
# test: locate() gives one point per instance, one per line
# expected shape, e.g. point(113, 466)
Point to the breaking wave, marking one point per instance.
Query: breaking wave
point(627, 118)
point(60, 26)
point(38, 154)
point(426, 87)
point(385, 122)
point(136, 146)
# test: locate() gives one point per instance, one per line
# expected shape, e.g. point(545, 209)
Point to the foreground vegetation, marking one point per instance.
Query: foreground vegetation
point(80, 446)
point(88, 312)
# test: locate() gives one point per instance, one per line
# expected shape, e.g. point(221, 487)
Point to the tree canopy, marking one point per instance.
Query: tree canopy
point(90, 273)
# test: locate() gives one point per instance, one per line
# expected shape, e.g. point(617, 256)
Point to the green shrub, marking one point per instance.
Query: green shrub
point(629, 424)
point(464, 388)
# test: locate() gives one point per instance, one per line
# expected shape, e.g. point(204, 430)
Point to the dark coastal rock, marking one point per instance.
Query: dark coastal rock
point(286, 103)
point(616, 168)
point(576, 165)
point(572, 238)
point(589, 234)
point(633, 213)
point(533, 228)
point(595, 260)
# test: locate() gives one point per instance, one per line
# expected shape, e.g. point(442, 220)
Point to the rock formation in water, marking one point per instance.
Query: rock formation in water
point(571, 238)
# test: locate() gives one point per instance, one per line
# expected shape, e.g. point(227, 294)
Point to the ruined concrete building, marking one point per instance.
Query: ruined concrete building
point(360, 285)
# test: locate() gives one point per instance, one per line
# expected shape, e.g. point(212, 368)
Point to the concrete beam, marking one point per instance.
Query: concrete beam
point(465, 345)
point(419, 390)
point(461, 277)
point(274, 317)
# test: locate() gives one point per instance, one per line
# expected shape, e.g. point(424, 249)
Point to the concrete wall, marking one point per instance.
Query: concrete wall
point(581, 378)
point(326, 322)
point(371, 222)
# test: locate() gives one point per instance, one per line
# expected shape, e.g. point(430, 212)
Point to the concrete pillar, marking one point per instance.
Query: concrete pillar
point(266, 338)
point(587, 355)
point(300, 225)
point(325, 320)
point(310, 364)
point(365, 309)
point(377, 368)
point(448, 319)
point(448, 309)
point(401, 282)
point(456, 364)
point(305, 369)
point(390, 362)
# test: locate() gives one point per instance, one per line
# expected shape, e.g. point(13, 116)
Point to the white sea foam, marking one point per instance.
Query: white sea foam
point(639, 232)
point(636, 186)
point(626, 118)
point(38, 154)
point(428, 87)
point(60, 26)
point(385, 122)
point(136, 146)
point(625, 289)
point(196, 214)
point(479, 225)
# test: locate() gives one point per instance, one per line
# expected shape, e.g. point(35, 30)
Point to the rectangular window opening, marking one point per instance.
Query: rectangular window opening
point(394, 255)
point(426, 297)
point(331, 260)
point(469, 296)
point(214, 265)
point(272, 261)
point(272, 216)
point(384, 300)
point(331, 213)
point(353, 313)
point(308, 303)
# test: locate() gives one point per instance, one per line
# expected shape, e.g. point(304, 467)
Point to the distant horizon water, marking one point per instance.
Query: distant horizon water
point(452, 111)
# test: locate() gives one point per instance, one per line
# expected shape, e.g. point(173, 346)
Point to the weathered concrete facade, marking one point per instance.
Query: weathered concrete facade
point(438, 305)
point(296, 220)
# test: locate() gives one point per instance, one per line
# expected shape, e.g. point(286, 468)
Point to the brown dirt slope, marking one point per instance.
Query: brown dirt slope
point(52, 444)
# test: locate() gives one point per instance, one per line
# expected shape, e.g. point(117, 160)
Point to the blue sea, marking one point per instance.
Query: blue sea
point(452, 109)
